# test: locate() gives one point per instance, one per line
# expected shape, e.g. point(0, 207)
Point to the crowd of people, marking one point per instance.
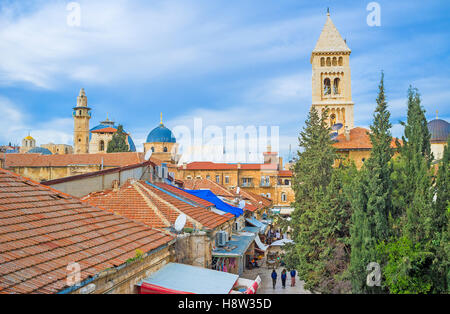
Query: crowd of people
point(274, 276)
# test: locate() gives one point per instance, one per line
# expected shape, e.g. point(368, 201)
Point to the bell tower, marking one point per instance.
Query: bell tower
point(331, 78)
point(81, 116)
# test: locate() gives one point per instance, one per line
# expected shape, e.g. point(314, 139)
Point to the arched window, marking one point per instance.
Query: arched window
point(327, 87)
point(336, 86)
point(341, 61)
point(153, 149)
point(165, 149)
point(328, 61)
point(322, 61)
point(334, 61)
point(102, 146)
point(283, 197)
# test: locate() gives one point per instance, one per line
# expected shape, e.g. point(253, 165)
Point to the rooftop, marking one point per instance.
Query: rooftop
point(359, 140)
point(43, 230)
point(109, 160)
point(151, 205)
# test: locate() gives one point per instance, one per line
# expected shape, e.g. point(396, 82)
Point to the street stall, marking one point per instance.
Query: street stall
point(176, 278)
point(235, 255)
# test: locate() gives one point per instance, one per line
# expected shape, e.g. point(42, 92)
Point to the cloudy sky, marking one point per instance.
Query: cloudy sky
point(228, 62)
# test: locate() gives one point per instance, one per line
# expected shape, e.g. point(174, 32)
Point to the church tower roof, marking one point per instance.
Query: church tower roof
point(330, 40)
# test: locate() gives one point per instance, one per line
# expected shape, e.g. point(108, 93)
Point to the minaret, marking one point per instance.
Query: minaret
point(331, 78)
point(81, 117)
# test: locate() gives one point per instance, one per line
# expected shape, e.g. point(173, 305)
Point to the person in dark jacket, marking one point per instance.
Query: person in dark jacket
point(293, 273)
point(283, 278)
point(274, 278)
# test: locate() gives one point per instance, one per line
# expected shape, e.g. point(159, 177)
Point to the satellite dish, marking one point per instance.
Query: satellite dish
point(337, 126)
point(242, 204)
point(180, 222)
point(148, 154)
point(238, 189)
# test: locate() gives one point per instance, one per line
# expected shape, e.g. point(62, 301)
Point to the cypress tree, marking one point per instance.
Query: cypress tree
point(373, 202)
point(312, 175)
point(118, 143)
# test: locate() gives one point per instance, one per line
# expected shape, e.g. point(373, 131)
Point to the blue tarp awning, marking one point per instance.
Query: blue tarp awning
point(237, 246)
point(254, 222)
point(221, 205)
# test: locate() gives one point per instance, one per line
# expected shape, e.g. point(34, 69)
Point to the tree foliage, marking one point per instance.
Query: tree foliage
point(118, 143)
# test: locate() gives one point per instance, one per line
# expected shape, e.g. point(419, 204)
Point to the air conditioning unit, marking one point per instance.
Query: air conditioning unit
point(221, 238)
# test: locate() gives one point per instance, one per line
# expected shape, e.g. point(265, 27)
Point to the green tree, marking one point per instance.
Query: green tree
point(312, 175)
point(372, 204)
point(118, 143)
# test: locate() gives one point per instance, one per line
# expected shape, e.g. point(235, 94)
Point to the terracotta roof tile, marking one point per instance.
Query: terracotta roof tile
point(359, 140)
point(43, 230)
point(206, 184)
point(153, 206)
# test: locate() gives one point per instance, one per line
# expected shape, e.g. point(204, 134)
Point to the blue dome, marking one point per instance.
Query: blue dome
point(161, 134)
point(439, 130)
point(39, 150)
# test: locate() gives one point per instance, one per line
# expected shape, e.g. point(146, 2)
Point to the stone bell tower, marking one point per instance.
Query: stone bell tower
point(331, 79)
point(81, 116)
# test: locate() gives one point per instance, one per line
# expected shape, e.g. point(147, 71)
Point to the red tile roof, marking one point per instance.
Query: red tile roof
point(153, 207)
point(43, 230)
point(109, 160)
point(105, 130)
point(207, 184)
point(183, 194)
point(359, 140)
point(285, 173)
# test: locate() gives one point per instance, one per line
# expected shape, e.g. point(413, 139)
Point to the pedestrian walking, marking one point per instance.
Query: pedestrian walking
point(283, 278)
point(274, 278)
point(293, 273)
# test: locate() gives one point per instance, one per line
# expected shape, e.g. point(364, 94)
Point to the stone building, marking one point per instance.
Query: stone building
point(27, 143)
point(81, 116)
point(58, 149)
point(102, 134)
point(331, 78)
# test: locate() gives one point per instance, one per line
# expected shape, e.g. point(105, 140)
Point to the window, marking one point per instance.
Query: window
point(328, 62)
point(153, 149)
point(265, 181)
point(283, 197)
point(189, 178)
point(102, 146)
point(336, 86)
point(287, 182)
point(334, 61)
point(227, 179)
point(322, 61)
point(341, 61)
point(198, 177)
point(247, 182)
point(327, 86)
point(268, 195)
point(165, 149)
point(218, 179)
point(208, 177)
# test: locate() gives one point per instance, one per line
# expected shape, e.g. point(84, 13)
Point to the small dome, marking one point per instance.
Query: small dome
point(161, 134)
point(39, 150)
point(439, 130)
point(29, 138)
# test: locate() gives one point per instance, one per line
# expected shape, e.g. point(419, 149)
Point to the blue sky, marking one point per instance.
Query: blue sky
point(228, 62)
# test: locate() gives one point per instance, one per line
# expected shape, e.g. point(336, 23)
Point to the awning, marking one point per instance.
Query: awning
point(221, 205)
point(255, 222)
point(261, 245)
point(177, 278)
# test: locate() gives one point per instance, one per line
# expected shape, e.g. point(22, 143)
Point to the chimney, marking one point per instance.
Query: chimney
point(184, 166)
point(347, 133)
point(239, 165)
